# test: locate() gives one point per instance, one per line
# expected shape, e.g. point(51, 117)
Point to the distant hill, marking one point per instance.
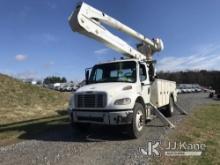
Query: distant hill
point(20, 101)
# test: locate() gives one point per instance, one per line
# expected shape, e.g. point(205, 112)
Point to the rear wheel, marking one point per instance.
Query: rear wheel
point(170, 108)
point(138, 121)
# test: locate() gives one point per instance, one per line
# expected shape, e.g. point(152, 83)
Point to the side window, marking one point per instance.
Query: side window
point(98, 74)
point(143, 73)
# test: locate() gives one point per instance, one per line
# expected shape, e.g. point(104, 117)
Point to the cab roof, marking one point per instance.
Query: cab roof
point(121, 60)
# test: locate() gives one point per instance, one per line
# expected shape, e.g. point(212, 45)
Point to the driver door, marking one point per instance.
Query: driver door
point(145, 82)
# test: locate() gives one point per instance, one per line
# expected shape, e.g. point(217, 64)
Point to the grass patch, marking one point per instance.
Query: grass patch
point(203, 126)
point(25, 108)
point(20, 101)
point(31, 129)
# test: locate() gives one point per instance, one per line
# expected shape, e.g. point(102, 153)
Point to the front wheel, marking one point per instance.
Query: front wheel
point(136, 128)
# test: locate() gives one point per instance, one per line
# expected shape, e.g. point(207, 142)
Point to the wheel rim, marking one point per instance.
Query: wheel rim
point(139, 120)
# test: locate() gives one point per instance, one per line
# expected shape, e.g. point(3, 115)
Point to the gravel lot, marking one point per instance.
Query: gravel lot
point(100, 145)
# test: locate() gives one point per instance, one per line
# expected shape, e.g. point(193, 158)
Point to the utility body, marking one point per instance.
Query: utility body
point(120, 92)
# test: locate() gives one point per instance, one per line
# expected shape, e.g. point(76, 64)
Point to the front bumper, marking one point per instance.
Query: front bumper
point(107, 117)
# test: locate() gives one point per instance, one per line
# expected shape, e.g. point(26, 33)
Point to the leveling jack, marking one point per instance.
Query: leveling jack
point(164, 119)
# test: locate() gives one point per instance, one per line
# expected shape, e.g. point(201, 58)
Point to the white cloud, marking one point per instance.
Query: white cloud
point(101, 51)
point(20, 57)
point(205, 58)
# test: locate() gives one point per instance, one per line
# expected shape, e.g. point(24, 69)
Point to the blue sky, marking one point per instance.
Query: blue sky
point(36, 40)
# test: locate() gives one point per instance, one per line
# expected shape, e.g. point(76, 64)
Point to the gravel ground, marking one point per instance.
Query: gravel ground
point(100, 145)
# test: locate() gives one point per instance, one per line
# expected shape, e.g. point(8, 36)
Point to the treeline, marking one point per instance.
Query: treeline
point(54, 79)
point(202, 77)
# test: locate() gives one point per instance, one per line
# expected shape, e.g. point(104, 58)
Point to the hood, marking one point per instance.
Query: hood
point(111, 88)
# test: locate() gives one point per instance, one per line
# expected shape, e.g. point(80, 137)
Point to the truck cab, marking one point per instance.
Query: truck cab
point(116, 93)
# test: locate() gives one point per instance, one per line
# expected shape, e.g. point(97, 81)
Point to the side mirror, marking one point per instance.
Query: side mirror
point(151, 72)
point(87, 76)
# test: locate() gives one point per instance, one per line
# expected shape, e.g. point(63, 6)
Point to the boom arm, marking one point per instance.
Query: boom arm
point(88, 21)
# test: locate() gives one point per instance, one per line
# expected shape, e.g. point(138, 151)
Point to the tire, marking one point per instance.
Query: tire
point(136, 128)
point(170, 108)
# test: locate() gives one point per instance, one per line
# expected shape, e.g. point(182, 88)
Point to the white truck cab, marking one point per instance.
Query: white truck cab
point(120, 93)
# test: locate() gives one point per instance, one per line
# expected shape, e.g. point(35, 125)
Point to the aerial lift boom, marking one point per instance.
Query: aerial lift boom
point(88, 21)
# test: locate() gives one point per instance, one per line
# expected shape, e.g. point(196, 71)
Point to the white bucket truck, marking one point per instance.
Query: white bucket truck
point(120, 92)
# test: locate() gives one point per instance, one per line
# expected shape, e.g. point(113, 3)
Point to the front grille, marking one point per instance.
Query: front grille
point(90, 100)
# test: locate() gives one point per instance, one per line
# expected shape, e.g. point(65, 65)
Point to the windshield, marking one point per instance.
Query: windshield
point(114, 72)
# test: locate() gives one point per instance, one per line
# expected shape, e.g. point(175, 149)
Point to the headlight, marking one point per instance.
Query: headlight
point(123, 101)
